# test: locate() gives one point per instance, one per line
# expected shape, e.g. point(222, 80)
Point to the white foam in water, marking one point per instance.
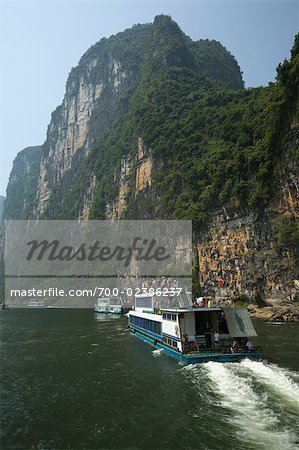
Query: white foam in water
point(191, 367)
point(277, 378)
point(157, 352)
point(258, 426)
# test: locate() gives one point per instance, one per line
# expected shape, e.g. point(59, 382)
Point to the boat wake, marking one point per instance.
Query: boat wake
point(157, 352)
point(280, 380)
point(260, 401)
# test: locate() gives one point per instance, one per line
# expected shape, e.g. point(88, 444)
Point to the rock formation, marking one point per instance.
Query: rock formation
point(154, 125)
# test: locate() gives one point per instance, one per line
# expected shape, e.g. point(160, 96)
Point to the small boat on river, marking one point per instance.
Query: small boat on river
point(107, 306)
point(36, 303)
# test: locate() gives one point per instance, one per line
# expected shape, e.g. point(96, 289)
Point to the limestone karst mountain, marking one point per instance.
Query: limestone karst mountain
point(155, 125)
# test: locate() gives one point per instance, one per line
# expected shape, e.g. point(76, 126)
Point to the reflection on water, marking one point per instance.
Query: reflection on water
point(105, 317)
point(75, 379)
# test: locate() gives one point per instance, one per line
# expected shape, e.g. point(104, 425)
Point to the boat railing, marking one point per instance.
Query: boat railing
point(220, 350)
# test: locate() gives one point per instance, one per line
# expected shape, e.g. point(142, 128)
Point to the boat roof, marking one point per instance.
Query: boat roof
point(239, 322)
point(188, 310)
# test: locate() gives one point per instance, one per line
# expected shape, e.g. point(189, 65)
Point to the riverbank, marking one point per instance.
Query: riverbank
point(286, 313)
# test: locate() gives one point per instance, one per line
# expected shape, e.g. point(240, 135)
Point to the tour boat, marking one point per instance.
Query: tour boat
point(194, 334)
point(106, 306)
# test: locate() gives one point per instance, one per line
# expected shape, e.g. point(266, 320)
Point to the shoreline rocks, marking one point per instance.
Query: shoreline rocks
point(285, 313)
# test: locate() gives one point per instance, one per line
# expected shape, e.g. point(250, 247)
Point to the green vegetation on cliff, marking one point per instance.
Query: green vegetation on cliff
point(212, 143)
point(211, 146)
point(288, 233)
point(149, 53)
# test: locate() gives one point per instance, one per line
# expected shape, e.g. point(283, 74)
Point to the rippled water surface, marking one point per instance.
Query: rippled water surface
point(74, 380)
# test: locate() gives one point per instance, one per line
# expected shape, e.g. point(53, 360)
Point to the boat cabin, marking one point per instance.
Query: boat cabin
point(111, 306)
point(107, 306)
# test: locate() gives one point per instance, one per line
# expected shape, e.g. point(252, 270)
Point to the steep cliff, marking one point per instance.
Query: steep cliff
point(2, 199)
point(257, 254)
point(94, 94)
point(22, 185)
point(154, 125)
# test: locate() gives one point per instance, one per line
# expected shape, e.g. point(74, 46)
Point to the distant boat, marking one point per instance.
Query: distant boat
point(36, 304)
point(105, 306)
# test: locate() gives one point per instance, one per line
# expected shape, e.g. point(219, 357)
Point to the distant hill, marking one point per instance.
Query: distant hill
point(1, 206)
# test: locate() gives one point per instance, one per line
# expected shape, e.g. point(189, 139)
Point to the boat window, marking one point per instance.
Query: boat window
point(103, 301)
point(170, 342)
point(150, 325)
point(167, 316)
point(144, 302)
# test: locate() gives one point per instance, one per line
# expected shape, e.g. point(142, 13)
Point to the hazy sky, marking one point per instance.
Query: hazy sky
point(41, 41)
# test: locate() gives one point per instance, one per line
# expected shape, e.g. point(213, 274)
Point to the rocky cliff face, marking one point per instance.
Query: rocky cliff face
point(1, 206)
point(93, 91)
point(243, 251)
point(73, 128)
point(22, 186)
point(154, 125)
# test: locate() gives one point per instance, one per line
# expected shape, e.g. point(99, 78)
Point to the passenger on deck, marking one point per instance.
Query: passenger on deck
point(192, 345)
point(249, 345)
point(199, 300)
point(185, 342)
point(235, 347)
point(156, 306)
point(216, 339)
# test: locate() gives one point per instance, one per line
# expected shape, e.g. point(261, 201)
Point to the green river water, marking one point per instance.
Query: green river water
point(71, 379)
